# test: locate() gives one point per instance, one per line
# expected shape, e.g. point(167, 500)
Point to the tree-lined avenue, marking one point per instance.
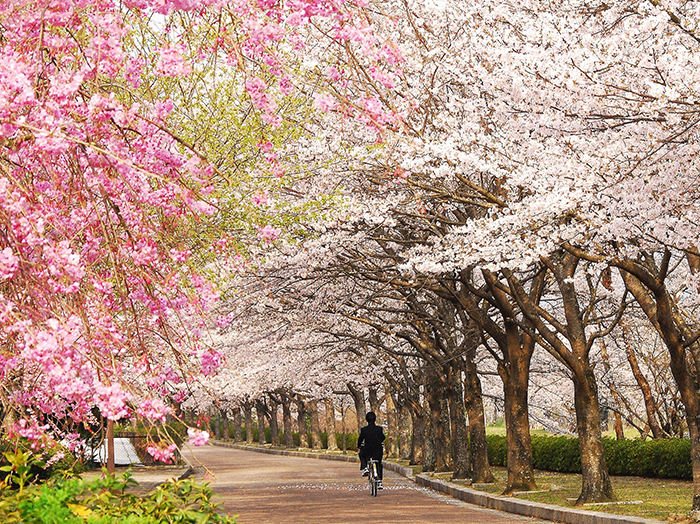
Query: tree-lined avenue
point(271, 489)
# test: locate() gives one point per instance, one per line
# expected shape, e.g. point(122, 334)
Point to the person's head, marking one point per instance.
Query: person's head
point(371, 417)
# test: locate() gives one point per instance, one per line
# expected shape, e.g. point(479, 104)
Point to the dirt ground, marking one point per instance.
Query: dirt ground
point(273, 489)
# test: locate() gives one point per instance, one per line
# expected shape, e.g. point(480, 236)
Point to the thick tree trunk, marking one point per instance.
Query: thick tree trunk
point(217, 426)
point(316, 442)
point(440, 431)
point(274, 426)
point(516, 378)
point(405, 430)
point(429, 451)
point(261, 411)
point(248, 413)
point(225, 424)
point(517, 349)
point(418, 441)
point(287, 423)
point(461, 456)
point(473, 401)
point(301, 422)
point(391, 444)
point(237, 425)
point(596, 484)
point(358, 397)
point(330, 425)
point(373, 400)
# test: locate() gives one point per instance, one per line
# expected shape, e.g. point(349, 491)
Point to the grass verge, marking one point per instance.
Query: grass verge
point(661, 499)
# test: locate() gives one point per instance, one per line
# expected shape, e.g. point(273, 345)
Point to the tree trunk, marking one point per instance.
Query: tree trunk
point(461, 456)
point(217, 426)
point(405, 430)
point(261, 411)
point(301, 421)
point(516, 378)
point(373, 400)
point(649, 402)
point(477, 425)
point(287, 423)
point(440, 431)
point(274, 426)
point(391, 444)
point(596, 485)
point(225, 424)
point(358, 396)
point(248, 412)
point(330, 425)
point(237, 425)
point(316, 442)
point(429, 451)
point(419, 435)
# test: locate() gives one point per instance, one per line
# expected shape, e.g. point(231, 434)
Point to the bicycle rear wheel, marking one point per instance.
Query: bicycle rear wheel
point(373, 480)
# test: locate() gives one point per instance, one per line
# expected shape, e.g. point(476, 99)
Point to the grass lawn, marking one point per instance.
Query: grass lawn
point(662, 499)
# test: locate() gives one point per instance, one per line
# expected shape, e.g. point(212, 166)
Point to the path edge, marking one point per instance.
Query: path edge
point(479, 498)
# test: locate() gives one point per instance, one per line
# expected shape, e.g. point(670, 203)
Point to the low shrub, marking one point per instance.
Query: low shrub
point(659, 458)
point(72, 500)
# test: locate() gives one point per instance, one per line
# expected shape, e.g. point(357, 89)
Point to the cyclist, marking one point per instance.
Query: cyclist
point(369, 445)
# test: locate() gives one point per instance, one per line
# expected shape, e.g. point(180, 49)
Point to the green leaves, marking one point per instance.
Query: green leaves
point(108, 501)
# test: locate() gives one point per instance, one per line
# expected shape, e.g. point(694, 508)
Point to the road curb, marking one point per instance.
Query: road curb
point(479, 498)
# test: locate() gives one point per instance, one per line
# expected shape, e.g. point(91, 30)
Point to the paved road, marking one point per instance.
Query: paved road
point(274, 489)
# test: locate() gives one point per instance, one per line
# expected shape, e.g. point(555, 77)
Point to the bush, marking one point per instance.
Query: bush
point(350, 440)
point(556, 454)
point(104, 501)
point(660, 458)
point(497, 450)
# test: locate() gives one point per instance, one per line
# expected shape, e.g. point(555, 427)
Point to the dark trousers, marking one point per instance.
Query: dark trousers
point(380, 468)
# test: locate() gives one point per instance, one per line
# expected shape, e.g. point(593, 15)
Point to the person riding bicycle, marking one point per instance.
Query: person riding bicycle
point(369, 445)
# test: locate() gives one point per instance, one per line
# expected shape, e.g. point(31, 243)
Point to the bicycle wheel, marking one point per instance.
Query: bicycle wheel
point(374, 490)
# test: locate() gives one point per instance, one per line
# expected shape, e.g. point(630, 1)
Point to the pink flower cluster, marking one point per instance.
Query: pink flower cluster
point(211, 361)
point(172, 62)
point(165, 455)
point(197, 437)
point(29, 429)
point(268, 233)
point(154, 409)
point(8, 263)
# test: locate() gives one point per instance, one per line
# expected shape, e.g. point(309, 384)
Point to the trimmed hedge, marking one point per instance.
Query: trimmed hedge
point(660, 458)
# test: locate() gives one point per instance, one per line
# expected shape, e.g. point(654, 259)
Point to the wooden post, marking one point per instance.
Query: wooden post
point(110, 447)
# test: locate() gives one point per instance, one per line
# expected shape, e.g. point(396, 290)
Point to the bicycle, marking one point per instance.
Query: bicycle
point(373, 477)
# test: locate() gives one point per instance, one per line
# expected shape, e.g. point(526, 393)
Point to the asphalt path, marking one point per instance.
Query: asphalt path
point(276, 489)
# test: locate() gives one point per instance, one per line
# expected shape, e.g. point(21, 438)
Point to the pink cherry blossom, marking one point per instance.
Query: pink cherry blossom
point(197, 437)
point(268, 233)
point(172, 62)
point(165, 455)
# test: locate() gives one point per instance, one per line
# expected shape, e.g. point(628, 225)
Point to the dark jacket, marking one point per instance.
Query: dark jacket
point(370, 441)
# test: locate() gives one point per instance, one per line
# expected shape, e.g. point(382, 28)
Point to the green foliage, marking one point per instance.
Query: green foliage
point(497, 450)
point(661, 458)
point(556, 454)
point(105, 501)
point(350, 440)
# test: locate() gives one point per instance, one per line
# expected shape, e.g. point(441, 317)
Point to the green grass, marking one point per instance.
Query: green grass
point(662, 498)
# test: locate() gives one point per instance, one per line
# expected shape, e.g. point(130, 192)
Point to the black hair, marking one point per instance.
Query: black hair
point(371, 417)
